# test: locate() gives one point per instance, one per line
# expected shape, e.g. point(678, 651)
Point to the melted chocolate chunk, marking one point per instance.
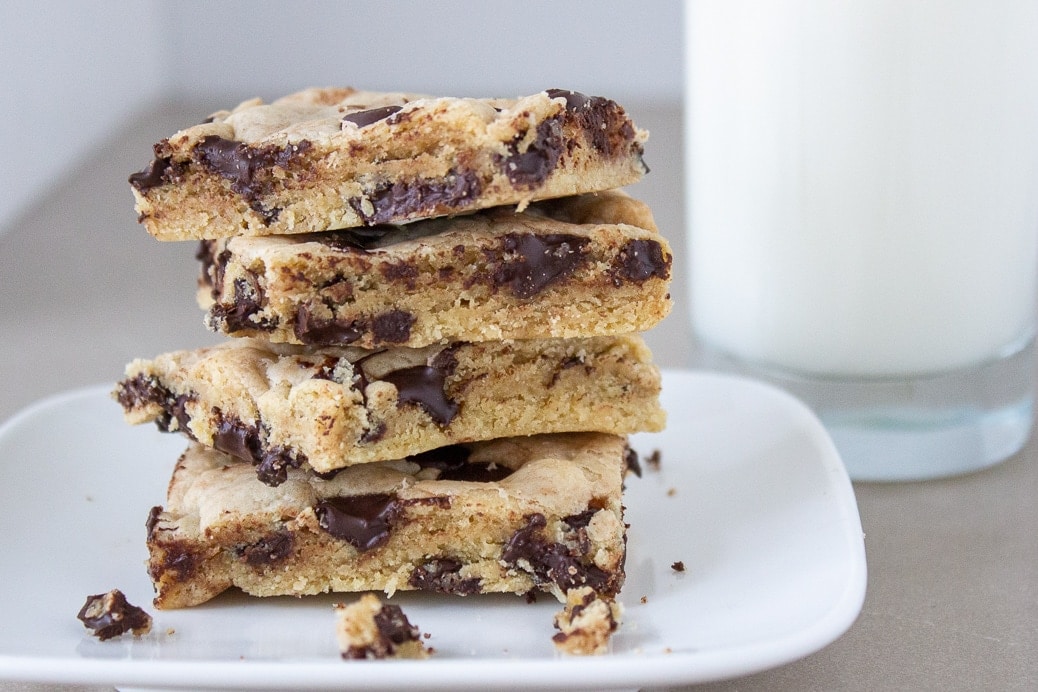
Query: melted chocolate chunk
point(393, 326)
point(541, 261)
point(533, 166)
point(453, 464)
point(177, 557)
point(574, 99)
point(175, 410)
point(552, 562)
point(581, 520)
point(249, 299)
point(267, 550)
point(372, 115)
point(245, 167)
point(393, 625)
point(272, 467)
point(639, 260)
point(443, 575)
point(234, 437)
point(604, 122)
point(141, 390)
point(152, 175)
point(110, 615)
point(399, 200)
point(314, 330)
point(363, 521)
point(424, 385)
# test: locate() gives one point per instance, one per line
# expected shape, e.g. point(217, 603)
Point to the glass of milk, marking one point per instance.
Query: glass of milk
point(863, 217)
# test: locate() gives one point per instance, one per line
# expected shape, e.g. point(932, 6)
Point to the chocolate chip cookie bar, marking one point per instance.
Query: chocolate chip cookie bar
point(369, 629)
point(510, 515)
point(281, 406)
point(332, 158)
point(577, 266)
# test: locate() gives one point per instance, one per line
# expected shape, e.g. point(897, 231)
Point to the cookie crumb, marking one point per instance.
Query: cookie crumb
point(671, 492)
point(586, 623)
point(110, 615)
point(644, 600)
point(367, 629)
point(653, 460)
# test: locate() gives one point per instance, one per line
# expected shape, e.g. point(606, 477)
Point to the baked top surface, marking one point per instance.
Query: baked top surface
point(323, 159)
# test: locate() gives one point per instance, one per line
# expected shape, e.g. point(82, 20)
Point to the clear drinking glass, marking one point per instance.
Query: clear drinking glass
point(863, 217)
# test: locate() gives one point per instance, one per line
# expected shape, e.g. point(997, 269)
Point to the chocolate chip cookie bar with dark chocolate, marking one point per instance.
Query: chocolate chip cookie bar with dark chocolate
point(329, 158)
point(578, 266)
point(281, 405)
point(506, 516)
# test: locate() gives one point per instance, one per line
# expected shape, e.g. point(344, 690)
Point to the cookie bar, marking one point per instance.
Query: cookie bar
point(368, 629)
point(578, 266)
point(333, 158)
point(507, 516)
point(331, 407)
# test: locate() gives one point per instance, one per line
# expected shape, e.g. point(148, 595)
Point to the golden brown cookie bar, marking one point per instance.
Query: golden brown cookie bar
point(505, 516)
point(578, 266)
point(323, 159)
point(369, 629)
point(331, 407)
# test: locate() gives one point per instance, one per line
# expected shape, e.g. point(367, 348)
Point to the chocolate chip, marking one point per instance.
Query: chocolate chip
point(453, 465)
point(393, 625)
point(393, 326)
point(272, 467)
point(580, 520)
point(399, 200)
point(141, 390)
point(372, 115)
point(552, 562)
point(152, 176)
point(177, 557)
point(234, 437)
point(678, 566)
point(639, 260)
point(249, 300)
point(443, 575)
point(315, 330)
point(267, 550)
point(424, 385)
point(111, 615)
point(246, 167)
point(402, 272)
point(541, 260)
point(533, 166)
point(363, 521)
point(175, 410)
point(574, 99)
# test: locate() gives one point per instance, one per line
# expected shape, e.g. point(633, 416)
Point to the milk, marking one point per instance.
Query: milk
point(863, 181)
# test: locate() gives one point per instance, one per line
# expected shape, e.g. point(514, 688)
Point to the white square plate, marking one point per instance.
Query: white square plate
point(750, 496)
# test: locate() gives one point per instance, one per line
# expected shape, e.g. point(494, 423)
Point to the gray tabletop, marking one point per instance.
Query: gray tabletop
point(952, 599)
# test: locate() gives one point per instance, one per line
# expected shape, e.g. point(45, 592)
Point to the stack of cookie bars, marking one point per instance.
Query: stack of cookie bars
point(435, 306)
